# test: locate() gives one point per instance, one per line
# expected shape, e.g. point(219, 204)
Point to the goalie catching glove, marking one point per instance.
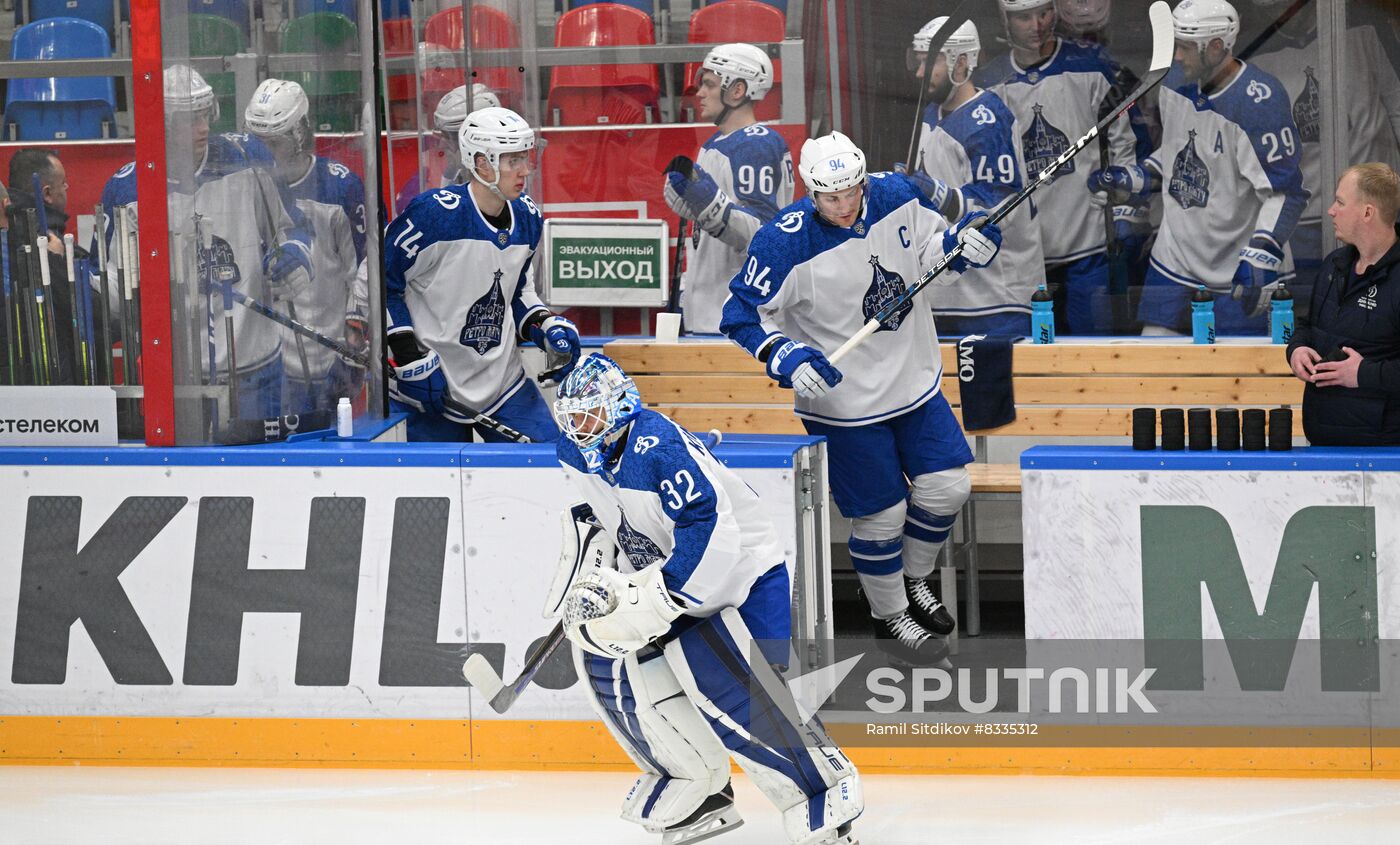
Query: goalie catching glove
point(612, 615)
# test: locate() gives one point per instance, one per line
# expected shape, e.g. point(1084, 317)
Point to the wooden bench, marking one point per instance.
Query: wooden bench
point(1066, 389)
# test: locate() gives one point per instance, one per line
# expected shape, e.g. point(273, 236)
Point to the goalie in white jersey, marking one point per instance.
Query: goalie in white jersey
point(1229, 168)
point(815, 275)
point(1057, 89)
point(461, 297)
point(970, 159)
point(669, 670)
point(333, 201)
point(740, 179)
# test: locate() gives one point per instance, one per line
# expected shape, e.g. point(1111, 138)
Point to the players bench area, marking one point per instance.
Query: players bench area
point(1077, 392)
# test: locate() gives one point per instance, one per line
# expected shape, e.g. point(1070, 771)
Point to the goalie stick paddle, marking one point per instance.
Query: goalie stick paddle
point(501, 695)
point(1163, 43)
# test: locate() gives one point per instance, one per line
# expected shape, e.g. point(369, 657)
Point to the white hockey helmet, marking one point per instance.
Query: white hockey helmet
point(1008, 6)
point(492, 132)
point(1081, 16)
point(733, 62)
point(279, 107)
point(186, 92)
point(1202, 21)
point(831, 163)
point(963, 42)
point(453, 108)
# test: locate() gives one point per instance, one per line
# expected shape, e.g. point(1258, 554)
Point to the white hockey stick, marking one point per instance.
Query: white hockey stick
point(1163, 44)
point(484, 679)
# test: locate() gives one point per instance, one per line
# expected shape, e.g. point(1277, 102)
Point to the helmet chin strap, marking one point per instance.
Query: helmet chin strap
point(493, 186)
point(725, 108)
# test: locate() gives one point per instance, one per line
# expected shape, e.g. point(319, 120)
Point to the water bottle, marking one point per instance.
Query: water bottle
point(1042, 316)
point(1202, 316)
point(344, 418)
point(1281, 316)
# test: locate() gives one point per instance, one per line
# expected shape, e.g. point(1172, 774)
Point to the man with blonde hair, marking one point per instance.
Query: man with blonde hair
point(1348, 350)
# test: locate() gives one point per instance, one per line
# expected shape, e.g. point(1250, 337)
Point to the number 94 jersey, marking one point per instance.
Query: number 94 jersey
point(668, 502)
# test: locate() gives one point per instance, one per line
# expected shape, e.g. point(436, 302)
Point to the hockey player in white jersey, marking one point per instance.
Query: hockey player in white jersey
point(255, 237)
point(333, 201)
point(739, 180)
point(1373, 114)
point(1057, 89)
point(970, 160)
point(814, 276)
point(461, 297)
point(1229, 166)
point(669, 669)
point(444, 165)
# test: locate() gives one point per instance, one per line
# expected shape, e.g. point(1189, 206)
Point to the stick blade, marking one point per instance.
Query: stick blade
point(482, 678)
point(1163, 37)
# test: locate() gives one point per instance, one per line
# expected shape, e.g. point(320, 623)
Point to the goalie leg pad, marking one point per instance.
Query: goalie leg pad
point(801, 770)
point(641, 702)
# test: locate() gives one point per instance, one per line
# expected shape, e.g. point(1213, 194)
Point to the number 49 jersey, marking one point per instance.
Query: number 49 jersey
point(668, 502)
point(464, 288)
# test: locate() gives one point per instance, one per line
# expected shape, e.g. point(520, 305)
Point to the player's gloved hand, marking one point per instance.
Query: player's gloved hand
point(612, 614)
point(419, 384)
point(1130, 223)
point(804, 369)
point(1130, 185)
point(558, 337)
point(1257, 275)
point(287, 267)
point(980, 245)
point(946, 198)
point(695, 197)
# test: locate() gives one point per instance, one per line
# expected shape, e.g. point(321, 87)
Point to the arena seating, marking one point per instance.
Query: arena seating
point(640, 5)
point(398, 41)
point(211, 35)
point(740, 20)
point(60, 109)
point(334, 94)
point(491, 29)
point(348, 8)
point(1061, 390)
point(234, 10)
point(581, 95)
point(99, 12)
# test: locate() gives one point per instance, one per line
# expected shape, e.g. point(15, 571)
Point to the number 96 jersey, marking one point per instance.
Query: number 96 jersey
point(667, 502)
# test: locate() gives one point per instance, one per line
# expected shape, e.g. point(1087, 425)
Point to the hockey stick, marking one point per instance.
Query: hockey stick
point(79, 343)
point(501, 695)
point(10, 340)
point(1163, 43)
point(957, 18)
point(301, 329)
point(104, 284)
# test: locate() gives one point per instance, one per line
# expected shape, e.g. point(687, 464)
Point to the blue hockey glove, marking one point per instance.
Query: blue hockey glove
point(980, 245)
point(1131, 185)
point(1130, 223)
point(558, 337)
point(287, 267)
point(420, 384)
point(946, 198)
point(1260, 261)
point(692, 196)
point(804, 369)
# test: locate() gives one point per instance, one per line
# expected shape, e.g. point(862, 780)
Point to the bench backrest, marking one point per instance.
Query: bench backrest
point(1064, 389)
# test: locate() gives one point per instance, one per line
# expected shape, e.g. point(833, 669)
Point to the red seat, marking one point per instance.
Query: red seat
point(608, 94)
point(731, 21)
point(491, 29)
point(398, 42)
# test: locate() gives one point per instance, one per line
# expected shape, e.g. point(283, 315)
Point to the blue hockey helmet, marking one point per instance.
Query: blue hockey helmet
point(595, 403)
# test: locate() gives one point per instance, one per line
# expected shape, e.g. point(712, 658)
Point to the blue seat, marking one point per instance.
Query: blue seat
point(348, 8)
point(97, 11)
point(392, 9)
point(234, 10)
point(61, 109)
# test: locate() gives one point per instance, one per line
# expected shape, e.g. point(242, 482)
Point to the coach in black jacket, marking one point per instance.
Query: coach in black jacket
point(1348, 351)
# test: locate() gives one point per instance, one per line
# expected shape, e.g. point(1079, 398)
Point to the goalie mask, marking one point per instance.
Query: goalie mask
point(595, 404)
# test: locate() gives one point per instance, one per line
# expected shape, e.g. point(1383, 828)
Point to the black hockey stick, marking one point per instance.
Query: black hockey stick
point(683, 166)
point(1163, 43)
point(10, 339)
point(957, 18)
point(500, 694)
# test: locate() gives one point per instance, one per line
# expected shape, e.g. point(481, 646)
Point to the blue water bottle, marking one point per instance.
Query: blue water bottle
point(1202, 316)
point(1042, 316)
point(1281, 316)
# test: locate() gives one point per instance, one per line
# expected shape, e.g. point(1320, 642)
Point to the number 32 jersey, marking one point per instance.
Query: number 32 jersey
point(464, 288)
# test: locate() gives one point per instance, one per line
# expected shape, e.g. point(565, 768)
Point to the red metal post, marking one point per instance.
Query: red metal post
point(148, 101)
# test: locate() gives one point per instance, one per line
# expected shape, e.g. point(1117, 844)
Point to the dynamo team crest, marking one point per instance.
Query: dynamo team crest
point(638, 547)
point(482, 331)
point(885, 287)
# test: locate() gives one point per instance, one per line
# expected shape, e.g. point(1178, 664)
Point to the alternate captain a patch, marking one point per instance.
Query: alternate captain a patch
point(482, 330)
point(885, 287)
point(638, 547)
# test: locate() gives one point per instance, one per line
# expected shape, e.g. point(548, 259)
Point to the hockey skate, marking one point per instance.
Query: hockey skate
point(926, 609)
point(906, 640)
point(842, 836)
point(715, 816)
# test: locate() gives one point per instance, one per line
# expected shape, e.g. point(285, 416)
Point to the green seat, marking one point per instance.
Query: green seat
point(335, 95)
point(211, 35)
